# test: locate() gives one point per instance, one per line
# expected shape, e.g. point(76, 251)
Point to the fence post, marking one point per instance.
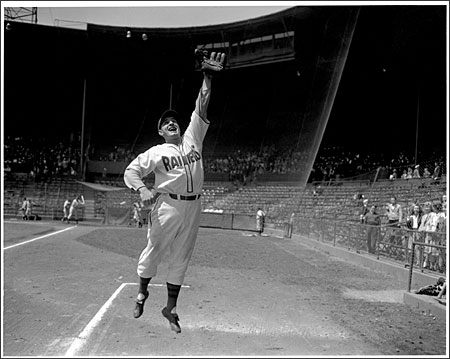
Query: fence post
point(308, 225)
point(334, 235)
point(358, 237)
point(45, 196)
point(411, 267)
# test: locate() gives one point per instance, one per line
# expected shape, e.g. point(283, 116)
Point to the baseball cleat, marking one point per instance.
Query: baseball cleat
point(139, 309)
point(173, 319)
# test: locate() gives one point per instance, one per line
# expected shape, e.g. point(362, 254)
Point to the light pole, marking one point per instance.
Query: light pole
point(417, 123)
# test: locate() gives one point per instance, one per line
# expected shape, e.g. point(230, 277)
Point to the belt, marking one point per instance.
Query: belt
point(184, 198)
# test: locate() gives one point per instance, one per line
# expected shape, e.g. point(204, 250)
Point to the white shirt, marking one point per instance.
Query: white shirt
point(260, 214)
point(178, 169)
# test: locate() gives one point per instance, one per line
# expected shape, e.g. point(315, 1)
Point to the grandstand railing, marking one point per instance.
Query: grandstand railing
point(391, 243)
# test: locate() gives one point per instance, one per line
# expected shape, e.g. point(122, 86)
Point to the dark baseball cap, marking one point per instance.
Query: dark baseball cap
point(167, 114)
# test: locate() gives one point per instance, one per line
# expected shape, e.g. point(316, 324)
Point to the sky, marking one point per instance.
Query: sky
point(152, 14)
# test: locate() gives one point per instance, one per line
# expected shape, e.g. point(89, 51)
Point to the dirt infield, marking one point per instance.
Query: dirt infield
point(72, 293)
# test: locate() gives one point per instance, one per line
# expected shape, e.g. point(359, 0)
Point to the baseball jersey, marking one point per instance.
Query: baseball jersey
point(178, 169)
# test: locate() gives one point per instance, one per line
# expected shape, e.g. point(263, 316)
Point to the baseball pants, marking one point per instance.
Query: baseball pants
point(173, 228)
point(72, 211)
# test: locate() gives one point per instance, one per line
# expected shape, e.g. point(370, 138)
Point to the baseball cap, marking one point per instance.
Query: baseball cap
point(167, 114)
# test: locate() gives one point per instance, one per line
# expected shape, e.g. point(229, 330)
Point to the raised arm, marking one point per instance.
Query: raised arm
point(201, 105)
point(211, 65)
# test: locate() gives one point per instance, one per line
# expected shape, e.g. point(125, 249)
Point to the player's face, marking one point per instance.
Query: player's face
point(170, 128)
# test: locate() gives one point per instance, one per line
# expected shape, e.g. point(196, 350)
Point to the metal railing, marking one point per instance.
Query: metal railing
point(383, 241)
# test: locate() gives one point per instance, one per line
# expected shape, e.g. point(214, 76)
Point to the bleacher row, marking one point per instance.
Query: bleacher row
point(277, 200)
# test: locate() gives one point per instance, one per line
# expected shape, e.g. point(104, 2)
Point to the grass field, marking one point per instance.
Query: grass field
point(72, 293)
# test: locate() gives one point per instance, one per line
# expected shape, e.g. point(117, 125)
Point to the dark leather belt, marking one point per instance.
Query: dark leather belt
point(184, 198)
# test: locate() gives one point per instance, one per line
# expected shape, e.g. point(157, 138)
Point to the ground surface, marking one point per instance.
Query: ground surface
point(243, 296)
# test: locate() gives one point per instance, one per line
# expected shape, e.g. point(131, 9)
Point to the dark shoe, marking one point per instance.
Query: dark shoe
point(173, 319)
point(139, 309)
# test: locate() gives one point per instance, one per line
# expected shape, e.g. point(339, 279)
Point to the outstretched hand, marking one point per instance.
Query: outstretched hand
point(212, 64)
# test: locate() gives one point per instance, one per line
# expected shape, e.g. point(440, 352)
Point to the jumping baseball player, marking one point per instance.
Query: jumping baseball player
point(175, 216)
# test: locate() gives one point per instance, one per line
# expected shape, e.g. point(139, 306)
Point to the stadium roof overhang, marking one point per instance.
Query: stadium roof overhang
point(282, 21)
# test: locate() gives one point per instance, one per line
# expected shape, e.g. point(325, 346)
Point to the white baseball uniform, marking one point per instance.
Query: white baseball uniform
point(76, 203)
point(175, 217)
point(66, 207)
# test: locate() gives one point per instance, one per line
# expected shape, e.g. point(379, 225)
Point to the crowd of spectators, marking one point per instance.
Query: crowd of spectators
point(245, 165)
point(117, 154)
point(331, 163)
point(41, 157)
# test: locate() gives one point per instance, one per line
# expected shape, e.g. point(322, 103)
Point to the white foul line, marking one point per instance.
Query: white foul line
point(35, 239)
point(84, 335)
point(88, 329)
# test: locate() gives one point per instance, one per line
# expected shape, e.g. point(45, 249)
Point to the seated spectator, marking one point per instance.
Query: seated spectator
point(442, 293)
point(404, 175)
point(437, 171)
point(433, 289)
point(416, 173)
point(426, 173)
point(393, 175)
point(409, 174)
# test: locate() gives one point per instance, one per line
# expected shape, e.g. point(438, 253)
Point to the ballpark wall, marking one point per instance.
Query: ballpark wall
point(228, 221)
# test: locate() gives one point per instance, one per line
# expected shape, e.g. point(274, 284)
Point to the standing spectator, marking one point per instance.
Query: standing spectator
point(416, 173)
point(428, 225)
point(394, 214)
point(260, 220)
point(373, 220)
point(364, 210)
point(76, 203)
point(441, 227)
point(66, 208)
point(291, 225)
point(413, 222)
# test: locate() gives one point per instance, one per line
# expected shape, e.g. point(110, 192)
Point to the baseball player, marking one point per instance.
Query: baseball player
point(137, 220)
point(260, 219)
point(76, 203)
point(66, 207)
point(27, 208)
point(175, 216)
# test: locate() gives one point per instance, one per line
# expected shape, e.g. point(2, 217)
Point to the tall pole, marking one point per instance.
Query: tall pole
point(417, 123)
point(82, 131)
point(170, 96)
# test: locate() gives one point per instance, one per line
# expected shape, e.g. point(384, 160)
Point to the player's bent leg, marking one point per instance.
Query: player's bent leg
point(142, 297)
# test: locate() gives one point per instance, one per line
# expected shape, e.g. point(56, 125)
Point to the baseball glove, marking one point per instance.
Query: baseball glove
point(211, 65)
